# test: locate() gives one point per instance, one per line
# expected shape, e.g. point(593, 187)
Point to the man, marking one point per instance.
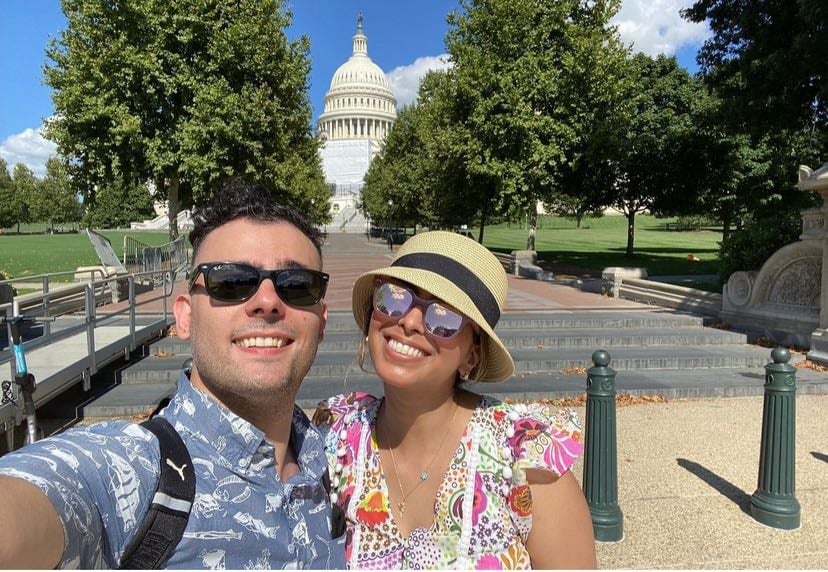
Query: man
point(255, 316)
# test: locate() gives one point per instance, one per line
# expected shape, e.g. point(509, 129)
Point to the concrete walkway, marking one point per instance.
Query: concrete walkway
point(686, 470)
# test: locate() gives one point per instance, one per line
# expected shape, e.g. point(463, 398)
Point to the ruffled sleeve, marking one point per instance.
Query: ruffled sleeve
point(539, 438)
point(340, 420)
point(334, 414)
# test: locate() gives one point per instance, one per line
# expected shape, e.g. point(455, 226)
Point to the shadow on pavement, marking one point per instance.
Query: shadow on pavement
point(820, 456)
point(725, 488)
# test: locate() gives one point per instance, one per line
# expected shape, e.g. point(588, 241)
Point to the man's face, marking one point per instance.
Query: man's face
point(235, 353)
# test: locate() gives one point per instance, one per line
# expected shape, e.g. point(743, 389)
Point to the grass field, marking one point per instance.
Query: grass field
point(31, 254)
point(599, 243)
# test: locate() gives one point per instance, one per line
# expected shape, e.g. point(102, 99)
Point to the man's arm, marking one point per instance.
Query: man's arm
point(31, 534)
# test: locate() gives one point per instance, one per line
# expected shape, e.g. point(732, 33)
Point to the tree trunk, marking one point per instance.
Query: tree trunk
point(483, 214)
point(726, 220)
point(533, 225)
point(630, 234)
point(578, 219)
point(173, 206)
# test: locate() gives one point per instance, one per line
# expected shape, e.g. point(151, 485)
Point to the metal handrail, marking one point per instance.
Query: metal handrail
point(90, 311)
point(48, 276)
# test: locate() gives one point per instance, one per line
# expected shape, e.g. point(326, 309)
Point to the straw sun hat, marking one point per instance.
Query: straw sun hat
point(461, 273)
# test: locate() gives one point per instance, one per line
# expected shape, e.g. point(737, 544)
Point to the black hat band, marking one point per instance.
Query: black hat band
point(461, 276)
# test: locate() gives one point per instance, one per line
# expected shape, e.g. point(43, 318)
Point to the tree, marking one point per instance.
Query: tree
point(56, 202)
point(639, 163)
point(571, 206)
point(7, 216)
point(421, 169)
point(24, 187)
point(185, 95)
point(531, 77)
point(768, 60)
point(396, 173)
point(118, 205)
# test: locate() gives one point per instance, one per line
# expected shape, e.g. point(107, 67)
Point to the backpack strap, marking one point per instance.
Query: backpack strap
point(164, 523)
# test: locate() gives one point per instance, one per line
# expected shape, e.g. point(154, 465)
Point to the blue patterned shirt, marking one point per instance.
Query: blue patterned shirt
point(101, 480)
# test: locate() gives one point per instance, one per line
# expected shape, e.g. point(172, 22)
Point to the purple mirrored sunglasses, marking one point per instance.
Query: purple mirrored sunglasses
point(394, 301)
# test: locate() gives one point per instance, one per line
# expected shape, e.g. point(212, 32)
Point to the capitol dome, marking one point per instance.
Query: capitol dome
point(359, 103)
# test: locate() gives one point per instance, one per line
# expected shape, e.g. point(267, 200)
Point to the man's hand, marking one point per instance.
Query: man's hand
point(31, 534)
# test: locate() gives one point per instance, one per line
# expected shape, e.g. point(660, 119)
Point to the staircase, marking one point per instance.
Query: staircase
point(654, 353)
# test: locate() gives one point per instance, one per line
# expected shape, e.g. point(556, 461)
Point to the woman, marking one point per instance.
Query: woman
point(432, 475)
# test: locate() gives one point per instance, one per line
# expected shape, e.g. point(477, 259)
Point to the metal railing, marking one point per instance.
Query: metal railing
point(93, 312)
point(51, 293)
point(143, 258)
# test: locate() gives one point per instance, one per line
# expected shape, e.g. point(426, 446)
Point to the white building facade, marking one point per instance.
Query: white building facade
point(358, 114)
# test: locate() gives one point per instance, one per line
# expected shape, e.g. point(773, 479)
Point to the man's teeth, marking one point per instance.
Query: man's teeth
point(401, 348)
point(261, 342)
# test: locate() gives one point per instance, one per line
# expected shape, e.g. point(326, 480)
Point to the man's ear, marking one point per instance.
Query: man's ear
point(183, 316)
point(323, 322)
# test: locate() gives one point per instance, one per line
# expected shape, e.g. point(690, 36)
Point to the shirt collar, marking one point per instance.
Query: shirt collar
point(235, 438)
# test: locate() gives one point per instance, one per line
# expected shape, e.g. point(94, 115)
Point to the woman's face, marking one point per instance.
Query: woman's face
point(405, 354)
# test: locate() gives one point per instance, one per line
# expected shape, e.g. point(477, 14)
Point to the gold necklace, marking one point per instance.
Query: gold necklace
point(424, 476)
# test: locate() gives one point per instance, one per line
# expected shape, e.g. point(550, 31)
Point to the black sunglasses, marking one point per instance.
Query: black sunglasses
point(237, 282)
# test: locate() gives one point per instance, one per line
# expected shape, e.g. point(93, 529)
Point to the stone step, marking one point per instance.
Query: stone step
point(138, 399)
point(341, 341)
point(156, 369)
point(339, 321)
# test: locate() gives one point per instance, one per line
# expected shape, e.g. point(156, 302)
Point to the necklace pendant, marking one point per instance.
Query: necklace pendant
point(401, 506)
point(424, 476)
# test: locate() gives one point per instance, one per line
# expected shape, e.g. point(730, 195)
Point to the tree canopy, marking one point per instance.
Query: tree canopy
point(769, 61)
point(184, 95)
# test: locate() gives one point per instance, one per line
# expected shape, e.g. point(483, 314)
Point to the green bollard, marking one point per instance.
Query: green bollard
point(774, 502)
point(600, 455)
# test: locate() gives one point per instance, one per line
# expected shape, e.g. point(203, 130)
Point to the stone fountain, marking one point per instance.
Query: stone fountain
point(786, 298)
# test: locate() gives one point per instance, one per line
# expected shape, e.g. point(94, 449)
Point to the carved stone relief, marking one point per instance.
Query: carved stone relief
point(798, 284)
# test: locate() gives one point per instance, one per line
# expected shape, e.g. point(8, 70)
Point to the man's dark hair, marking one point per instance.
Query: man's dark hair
point(239, 199)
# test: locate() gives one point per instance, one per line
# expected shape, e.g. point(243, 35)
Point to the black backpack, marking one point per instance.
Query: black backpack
point(167, 518)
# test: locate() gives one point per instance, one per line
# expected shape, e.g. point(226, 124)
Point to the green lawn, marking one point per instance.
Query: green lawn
point(31, 254)
point(601, 242)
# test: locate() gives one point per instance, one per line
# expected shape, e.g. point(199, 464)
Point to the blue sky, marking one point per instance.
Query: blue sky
point(404, 38)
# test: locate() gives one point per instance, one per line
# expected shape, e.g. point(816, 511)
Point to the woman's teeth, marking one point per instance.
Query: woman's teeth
point(404, 349)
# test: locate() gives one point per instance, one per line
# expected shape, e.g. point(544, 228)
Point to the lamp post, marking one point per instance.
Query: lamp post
point(388, 226)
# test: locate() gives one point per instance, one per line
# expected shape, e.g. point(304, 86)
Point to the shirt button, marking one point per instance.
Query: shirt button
point(243, 462)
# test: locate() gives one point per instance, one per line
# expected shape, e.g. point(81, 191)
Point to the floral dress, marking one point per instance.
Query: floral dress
point(483, 509)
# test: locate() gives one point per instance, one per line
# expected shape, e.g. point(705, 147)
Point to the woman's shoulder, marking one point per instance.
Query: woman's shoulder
point(534, 434)
point(344, 407)
point(561, 419)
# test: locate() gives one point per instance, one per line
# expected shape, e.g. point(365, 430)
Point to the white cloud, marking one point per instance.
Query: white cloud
point(656, 27)
point(30, 148)
point(405, 80)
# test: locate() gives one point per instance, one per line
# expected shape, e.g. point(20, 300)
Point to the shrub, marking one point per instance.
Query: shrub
point(750, 247)
point(695, 222)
